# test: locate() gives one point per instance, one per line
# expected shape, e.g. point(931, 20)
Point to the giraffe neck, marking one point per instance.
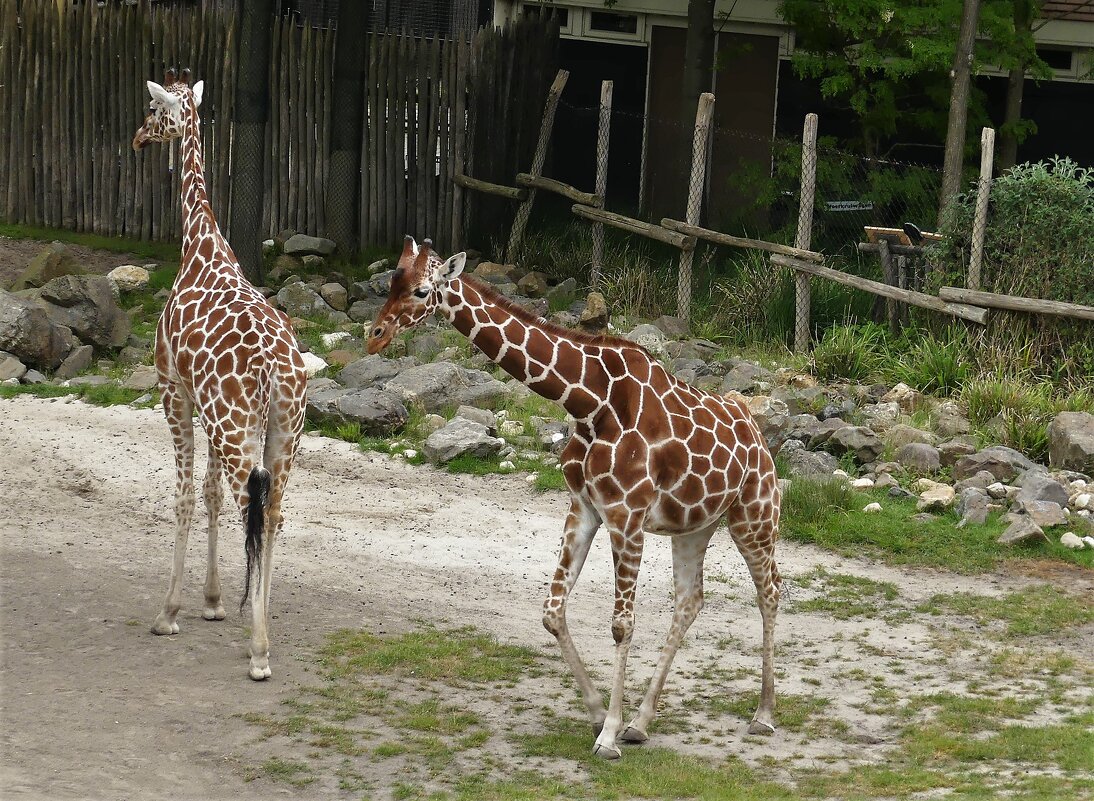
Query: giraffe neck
point(197, 214)
point(548, 359)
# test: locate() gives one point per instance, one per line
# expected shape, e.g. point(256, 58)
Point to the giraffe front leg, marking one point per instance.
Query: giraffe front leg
point(581, 526)
point(179, 411)
point(627, 540)
point(213, 493)
point(688, 552)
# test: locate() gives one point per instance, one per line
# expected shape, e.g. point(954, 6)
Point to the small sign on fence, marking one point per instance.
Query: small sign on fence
point(849, 205)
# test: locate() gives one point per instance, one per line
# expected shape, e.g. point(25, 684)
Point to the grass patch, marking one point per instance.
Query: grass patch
point(792, 712)
point(1042, 609)
point(158, 251)
point(298, 774)
point(102, 395)
point(844, 596)
point(549, 479)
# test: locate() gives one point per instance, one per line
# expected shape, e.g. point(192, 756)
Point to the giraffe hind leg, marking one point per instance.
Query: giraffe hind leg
point(213, 494)
point(178, 409)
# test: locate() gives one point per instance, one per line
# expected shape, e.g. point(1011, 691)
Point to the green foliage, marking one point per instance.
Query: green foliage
point(844, 596)
point(1042, 609)
point(938, 366)
point(852, 352)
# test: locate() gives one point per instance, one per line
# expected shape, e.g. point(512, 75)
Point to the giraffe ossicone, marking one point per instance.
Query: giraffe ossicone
point(649, 454)
point(224, 351)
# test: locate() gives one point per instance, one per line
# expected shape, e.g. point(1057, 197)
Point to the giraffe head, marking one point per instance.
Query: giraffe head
point(167, 112)
point(417, 288)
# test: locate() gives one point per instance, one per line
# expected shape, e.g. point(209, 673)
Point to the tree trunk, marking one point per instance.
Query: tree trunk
point(340, 204)
point(959, 103)
point(249, 140)
point(698, 72)
point(1016, 79)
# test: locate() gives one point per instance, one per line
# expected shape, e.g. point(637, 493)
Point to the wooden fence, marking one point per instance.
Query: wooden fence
point(72, 94)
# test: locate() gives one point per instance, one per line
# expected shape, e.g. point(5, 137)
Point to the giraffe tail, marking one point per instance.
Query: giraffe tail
point(258, 487)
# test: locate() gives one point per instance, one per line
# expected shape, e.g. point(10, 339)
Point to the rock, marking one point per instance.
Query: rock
point(979, 480)
point(745, 377)
point(816, 465)
point(304, 245)
point(461, 437)
point(483, 417)
point(949, 421)
point(997, 491)
point(373, 370)
point(1081, 501)
point(972, 506)
point(11, 367)
point(936, 499)
point(595, 315)
point(365, 311)
point(142, 379)
point(1002, 462)
point(533, 285)
point(283, 266)
point(919, 456)
point(335, 295)
point(860, 441)
point(649, 337)
point(905, 397)
point(129, 278)
point(495, 273)
point(899, 435)
point(380, 284)
point(30, 335)
point(823, 429)
point(89, 381)
point(1071, 442)
point(85, 304)
point(432, 422)
point(562, 293)
point(899, 492)
point(1043, 513)
point(1070, 540)
point(862, 483)
point(951, 451)
point(313, 263)
point(886, 480)
point(771, 416)
point(335, 338)
point(78, 361)
point(300, 300)
point(132, 354)
point(425, 345)
point(803, 400)
point(1020, 530)
point(377, 411)
point(433, 386)
point(673, 327)
point(872, 508)
point(313, 364)
point(881, 416)
point(55, 261)
point(484, 391)
point(1038, 486)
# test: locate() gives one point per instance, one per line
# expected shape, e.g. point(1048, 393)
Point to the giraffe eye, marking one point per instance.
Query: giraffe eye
point(421, 292)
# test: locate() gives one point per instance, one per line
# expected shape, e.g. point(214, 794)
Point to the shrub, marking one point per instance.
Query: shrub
point(939, 366)
point(849, 352)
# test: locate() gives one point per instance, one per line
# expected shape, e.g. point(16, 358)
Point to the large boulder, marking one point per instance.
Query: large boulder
point(495, 273)
point(649, 337)
point(75, 363)
point(900, 435)
point(860, 441)
point(1002, 462)
point(771, 416)
point(1071, 442)
point(300, 300)
point(374, 370)
point(335, 295)
point(814, 465)
point(86, 305)
point(377, 411)
point(11, 367)
point(27, 333)
point(594, 317)
point(54, 261)
point(1038, 486)
point(129, 278)
point(745, 377)
point(919, 456)
point(484, 391)
point(304, 245)
point(433, 386)
point(459, 438)
point(533, 284)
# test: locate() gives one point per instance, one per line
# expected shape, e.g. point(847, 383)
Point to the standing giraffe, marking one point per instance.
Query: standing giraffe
point(222, 349)
point(649, 453)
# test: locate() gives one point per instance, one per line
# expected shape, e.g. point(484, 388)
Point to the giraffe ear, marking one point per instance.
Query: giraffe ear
point(450, 268)
point(199, 87)
point(161, 94)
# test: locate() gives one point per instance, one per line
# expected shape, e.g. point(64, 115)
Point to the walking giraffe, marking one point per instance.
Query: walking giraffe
point(649, 454)
point(222, 349)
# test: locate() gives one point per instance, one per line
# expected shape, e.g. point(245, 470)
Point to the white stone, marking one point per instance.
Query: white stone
point(558, 436)
point(840, 474)
point(313, 364)
point(511, 427)
point(129, 277)
point(872, 507)
point(862, 483)
point(936, 499)
point(507, 465)
point(268, 245)
point(998, 490)
point(410, 453)
point(1078, 485)
point(1089, 541)
point(926, 485)
point(1069, 540)
point(531, 478)
point(395, 446)
point(1084, 500)
point(502, 415)
point(330, 340)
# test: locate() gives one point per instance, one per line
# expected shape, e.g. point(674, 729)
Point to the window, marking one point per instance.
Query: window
point(1059, 60)
point(607, 22)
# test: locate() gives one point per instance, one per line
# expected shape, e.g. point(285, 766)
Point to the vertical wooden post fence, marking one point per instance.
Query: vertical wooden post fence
point(602, 136)
point(980, 220)
point(805, 232)
point(695, 199)
point(525, 209)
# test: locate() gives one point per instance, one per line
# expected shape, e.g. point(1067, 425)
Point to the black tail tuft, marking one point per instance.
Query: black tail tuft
point(258, 487)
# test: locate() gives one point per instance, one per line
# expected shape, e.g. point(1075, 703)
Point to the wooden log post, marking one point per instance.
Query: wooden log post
point(525, 209)
point(508, 192)
point(888, 271)
point(602, 131)
point(994, 300)
point(718, 238)
point(699, 142)
point(805, 232)
point(980, 220)
point(634, 226)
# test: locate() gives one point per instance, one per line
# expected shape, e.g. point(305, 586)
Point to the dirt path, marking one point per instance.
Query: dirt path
point(94, 706)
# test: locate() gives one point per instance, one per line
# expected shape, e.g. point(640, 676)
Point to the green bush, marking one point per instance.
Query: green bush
point(850, 352)
point(938, 366)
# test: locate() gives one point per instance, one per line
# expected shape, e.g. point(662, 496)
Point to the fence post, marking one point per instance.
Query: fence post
point(525, 209)
point(888, 272)
point(980, 221)
point(695, 200)
point(805, 232)
point(603, 128)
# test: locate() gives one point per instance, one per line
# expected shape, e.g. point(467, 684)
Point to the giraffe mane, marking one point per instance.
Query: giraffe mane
point(531, 318)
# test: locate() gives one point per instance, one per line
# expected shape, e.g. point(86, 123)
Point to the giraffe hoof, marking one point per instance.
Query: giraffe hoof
point(761, 728)
point(259, 673)
point(606, 751)
point(162, 627)
point(633, 735)
point(213, 613)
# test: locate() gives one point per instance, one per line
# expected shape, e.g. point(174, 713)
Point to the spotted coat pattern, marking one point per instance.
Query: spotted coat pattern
point(224, 351)
point(649, 454)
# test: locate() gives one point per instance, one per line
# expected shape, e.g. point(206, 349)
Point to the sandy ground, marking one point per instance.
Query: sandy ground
point(16, 254)
point(94, 706)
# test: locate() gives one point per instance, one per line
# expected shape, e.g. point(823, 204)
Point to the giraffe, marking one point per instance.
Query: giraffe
point(649, 454)
point(223, 350)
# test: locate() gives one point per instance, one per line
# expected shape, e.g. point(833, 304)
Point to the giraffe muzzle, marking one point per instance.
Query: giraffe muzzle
point(379, 338)
point(141, 139)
